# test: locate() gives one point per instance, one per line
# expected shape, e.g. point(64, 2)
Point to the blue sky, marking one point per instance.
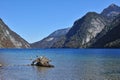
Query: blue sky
point(36, 19)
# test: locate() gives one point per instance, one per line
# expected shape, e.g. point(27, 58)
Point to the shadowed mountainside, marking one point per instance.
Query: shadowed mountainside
point(51, 39)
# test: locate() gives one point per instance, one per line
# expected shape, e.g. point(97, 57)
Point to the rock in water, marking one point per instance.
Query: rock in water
point(42, 61)
point(0, 65)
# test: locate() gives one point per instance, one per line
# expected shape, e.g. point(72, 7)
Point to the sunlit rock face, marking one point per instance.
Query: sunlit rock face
point(51, 39)
point(9, 39)
point(84, 30)
point(111, 38)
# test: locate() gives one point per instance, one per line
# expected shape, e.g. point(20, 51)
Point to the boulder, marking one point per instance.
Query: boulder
point(42, 61)
point(0, 65)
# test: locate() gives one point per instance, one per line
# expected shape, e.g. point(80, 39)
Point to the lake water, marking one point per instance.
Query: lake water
point(70, 64)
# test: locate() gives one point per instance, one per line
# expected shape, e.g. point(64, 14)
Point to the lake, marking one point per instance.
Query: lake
point(70, 64)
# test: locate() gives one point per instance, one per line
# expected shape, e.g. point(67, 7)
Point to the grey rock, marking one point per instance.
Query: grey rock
point(42, 61)
point(0, 65)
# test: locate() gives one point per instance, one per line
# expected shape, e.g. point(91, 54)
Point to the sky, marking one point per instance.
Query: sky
point(34, 20)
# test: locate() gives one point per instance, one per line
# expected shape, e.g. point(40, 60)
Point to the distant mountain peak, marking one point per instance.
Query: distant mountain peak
point(111, 11)
point(113, 5)
point(110, 8)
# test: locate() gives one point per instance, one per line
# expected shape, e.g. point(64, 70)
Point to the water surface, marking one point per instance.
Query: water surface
point(70, 64)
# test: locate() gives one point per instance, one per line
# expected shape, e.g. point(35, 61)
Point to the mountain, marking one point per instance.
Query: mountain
point(112, 38)
point(9, 39)
point(111, 12)
point(87, 30)
point(84, 29)
point(51, 39)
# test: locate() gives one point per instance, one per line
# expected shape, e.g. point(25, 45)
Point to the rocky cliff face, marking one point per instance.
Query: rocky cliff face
point(9, 39)
point(51, 39)
point(84, 30)
point(112, 37)
point(111, 14)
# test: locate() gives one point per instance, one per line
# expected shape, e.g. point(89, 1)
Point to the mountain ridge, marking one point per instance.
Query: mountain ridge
point(88, 29)
point(111, 12)
point(9, 39)
point(51, 39)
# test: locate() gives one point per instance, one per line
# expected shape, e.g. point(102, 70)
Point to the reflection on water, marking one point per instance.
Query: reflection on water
point(70, 64)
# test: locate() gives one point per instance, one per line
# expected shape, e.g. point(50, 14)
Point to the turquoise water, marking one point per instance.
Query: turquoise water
point(70, 64)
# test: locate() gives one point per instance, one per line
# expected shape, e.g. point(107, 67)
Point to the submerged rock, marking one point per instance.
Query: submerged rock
point(42, 61)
